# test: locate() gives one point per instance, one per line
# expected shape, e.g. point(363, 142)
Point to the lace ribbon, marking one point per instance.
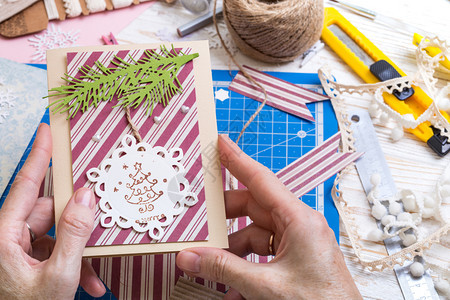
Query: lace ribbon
point(427, 66)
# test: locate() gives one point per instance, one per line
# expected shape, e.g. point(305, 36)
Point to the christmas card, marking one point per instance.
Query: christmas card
point(136, 124)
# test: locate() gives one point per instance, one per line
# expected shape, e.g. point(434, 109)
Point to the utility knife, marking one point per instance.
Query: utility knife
point(372, 65)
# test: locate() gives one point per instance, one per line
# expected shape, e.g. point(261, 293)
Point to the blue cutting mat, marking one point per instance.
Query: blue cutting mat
point(274, 139)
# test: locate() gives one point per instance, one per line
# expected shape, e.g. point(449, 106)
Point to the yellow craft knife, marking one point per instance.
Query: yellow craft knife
point(373, 66)
point(432, 51)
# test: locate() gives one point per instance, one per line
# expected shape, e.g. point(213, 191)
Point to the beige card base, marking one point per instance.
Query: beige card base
point(62, 159)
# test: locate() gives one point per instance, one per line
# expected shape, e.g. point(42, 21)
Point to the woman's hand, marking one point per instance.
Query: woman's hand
point(308, 263)
point(44, 269)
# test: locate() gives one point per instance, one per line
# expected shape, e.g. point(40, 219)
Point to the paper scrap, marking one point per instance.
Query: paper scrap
point(281, 94)
point(316, 166)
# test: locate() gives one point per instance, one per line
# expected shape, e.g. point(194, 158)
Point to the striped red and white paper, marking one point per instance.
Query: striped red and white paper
point(316, 166)
point(176, 129)
point(281, 94)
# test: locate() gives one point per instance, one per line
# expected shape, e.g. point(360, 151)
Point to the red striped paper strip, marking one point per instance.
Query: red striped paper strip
point(316, 166)
point(46, 189)
point(176, 129)
point(281, 94)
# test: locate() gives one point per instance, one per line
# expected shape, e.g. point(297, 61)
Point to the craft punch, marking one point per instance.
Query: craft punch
point(372, 65)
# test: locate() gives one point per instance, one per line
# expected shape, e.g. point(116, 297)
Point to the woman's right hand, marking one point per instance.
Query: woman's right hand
point(308, 263)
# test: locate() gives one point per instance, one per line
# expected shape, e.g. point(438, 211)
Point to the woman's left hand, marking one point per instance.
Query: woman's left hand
point(43, 268)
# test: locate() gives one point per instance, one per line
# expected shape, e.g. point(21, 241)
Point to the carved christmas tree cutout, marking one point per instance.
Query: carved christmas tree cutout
point(151, 79)
point(142, 187)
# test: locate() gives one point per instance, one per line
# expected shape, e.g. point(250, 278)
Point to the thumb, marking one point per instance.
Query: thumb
point(217, 265)
point(74, 230)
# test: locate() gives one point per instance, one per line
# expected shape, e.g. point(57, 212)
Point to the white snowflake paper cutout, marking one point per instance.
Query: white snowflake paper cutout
point(7, 99)
point(214, 41)
point(141, 187)
point(52, 38)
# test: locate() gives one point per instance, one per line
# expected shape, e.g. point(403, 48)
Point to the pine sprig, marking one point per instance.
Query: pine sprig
point(148, 81)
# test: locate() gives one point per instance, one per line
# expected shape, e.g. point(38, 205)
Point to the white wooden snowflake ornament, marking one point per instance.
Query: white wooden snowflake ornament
point(142, 187)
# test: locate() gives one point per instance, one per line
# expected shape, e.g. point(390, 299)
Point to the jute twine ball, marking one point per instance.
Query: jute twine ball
point(274, 31)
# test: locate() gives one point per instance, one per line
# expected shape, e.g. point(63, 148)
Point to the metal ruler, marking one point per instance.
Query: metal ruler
point(373, 162)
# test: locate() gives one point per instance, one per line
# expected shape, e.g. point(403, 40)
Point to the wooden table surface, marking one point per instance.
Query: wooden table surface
point(413, 164)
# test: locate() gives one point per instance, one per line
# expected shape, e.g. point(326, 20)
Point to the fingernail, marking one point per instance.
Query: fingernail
point(189, 261)
point(83, 197)
point(100, 283)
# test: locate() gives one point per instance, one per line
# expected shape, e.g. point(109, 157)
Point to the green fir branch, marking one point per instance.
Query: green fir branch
point(148, 81)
